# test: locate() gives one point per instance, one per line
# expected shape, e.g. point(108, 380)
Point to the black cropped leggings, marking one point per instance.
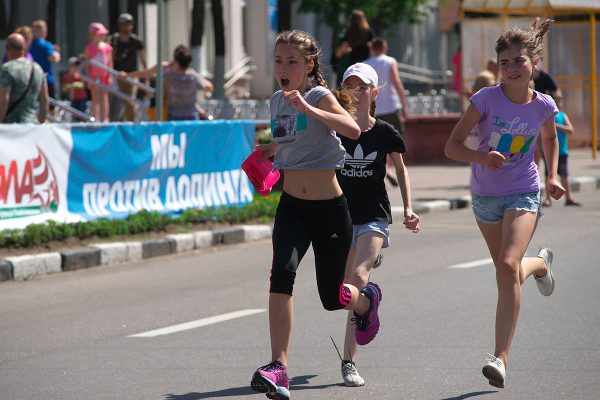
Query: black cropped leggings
point(327, 225)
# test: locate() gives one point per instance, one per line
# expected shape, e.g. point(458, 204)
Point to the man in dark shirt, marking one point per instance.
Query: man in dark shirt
point(127, 47)
point(544, 83)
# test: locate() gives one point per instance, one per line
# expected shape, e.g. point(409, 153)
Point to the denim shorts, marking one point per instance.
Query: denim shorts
point(380, 227)
point(491, 209)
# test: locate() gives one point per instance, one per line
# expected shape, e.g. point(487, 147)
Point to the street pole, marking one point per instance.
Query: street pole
point(159, 69)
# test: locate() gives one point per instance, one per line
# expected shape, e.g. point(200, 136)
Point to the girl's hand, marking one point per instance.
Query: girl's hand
point(493, 160)
point(411, 220)
point(296, 100)
point(555, 189)
point(269, 150)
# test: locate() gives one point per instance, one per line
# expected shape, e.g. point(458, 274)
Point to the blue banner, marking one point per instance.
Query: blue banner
point(118, 169)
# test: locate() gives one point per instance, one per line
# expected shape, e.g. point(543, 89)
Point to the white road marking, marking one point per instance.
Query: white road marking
point(197, 324)
point(473, 264)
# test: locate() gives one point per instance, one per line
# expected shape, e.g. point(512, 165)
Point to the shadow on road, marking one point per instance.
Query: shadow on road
point(297, 383)
point(472, 394)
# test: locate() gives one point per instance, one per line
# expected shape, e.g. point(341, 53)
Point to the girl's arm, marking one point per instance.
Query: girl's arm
point(550, 145)
point(456, 150)
point(411, 220)
point(328, 111)
point(144, 73)
point(269, 149)
point(397, 83)
point(567, 127)
point(110, 59)
point(43, 99)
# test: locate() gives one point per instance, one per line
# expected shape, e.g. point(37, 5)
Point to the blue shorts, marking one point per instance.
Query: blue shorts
point(380, 227)
point(491, 209)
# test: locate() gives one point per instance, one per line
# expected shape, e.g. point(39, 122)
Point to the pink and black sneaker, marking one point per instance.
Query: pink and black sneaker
point(272, 380)
point(367, 325)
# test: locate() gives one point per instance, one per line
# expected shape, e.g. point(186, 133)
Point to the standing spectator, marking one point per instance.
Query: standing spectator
point(457, 71)
point(492, 66)
point(182, 84)
point(564, 127)
point(73, 87)
point(44, 53)
point(355, 45)
point(544, 83)
point(23, 89)
point(127, 47)
point(391, 105)
point(25, 31)
point(100, 51)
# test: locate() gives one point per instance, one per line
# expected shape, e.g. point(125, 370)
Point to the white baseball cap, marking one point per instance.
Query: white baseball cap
point(365, 72)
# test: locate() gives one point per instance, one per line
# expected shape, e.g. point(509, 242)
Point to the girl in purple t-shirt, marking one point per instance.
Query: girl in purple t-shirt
point(505, 183)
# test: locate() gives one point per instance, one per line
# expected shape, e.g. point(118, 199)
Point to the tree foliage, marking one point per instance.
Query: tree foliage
point(381, 14)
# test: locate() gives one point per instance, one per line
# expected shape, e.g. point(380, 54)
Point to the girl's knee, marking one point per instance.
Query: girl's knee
point(336, 300)
point(282, 280)
point(508, 270)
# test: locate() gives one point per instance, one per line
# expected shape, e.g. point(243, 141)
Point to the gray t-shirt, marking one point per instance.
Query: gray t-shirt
point(15, 75)
point(183, 89)
point(304, 142)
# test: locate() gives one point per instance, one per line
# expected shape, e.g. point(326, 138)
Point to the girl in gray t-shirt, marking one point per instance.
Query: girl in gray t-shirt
point(312, 209)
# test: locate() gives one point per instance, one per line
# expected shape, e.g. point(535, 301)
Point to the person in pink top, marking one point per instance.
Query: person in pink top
point(100, 51)
point(505, 183)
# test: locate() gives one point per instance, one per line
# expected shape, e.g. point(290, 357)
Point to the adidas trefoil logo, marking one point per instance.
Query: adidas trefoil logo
point(358, 162)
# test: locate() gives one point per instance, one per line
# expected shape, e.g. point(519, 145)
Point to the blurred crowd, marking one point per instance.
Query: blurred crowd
point(102, 82)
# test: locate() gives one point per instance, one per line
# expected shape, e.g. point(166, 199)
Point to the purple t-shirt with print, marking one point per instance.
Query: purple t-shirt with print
point(511, 129)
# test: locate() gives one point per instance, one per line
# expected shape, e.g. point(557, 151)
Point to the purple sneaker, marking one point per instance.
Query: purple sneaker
point(367, 325)
point(272, 379)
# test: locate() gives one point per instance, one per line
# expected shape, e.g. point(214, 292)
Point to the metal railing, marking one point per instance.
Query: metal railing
point(239, 71)
point(114, 91)
point(117, 74)
point(434, 104)
point(237, 109)
point(65, 107)
point(424, 75)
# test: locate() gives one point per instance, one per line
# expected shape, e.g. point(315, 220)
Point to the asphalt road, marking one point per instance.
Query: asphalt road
point(68, 336)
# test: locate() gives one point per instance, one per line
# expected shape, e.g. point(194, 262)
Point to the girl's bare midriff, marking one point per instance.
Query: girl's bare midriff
point(311, 184)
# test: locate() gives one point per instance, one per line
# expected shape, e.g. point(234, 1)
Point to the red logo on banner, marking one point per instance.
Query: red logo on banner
point(35, 182)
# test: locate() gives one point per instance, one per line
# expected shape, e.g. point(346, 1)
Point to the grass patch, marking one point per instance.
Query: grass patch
point(260, 210)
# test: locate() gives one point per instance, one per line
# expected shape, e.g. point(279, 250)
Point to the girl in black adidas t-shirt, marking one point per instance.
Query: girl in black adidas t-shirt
point(363, 182)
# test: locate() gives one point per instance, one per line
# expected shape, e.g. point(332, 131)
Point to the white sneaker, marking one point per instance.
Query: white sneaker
point(350, 374)
point(378, 260)
point(545, 283)
point(494, 371)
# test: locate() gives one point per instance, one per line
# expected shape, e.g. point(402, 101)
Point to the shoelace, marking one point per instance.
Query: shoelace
point(493, 359)
point(361, 322)
point(273, 367)
point(349, 368)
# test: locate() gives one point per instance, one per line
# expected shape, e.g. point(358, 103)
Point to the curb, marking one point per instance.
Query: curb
point(29, 266)
point(22, 268)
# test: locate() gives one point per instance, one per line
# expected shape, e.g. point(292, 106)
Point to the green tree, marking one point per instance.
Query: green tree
point(381, 14)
